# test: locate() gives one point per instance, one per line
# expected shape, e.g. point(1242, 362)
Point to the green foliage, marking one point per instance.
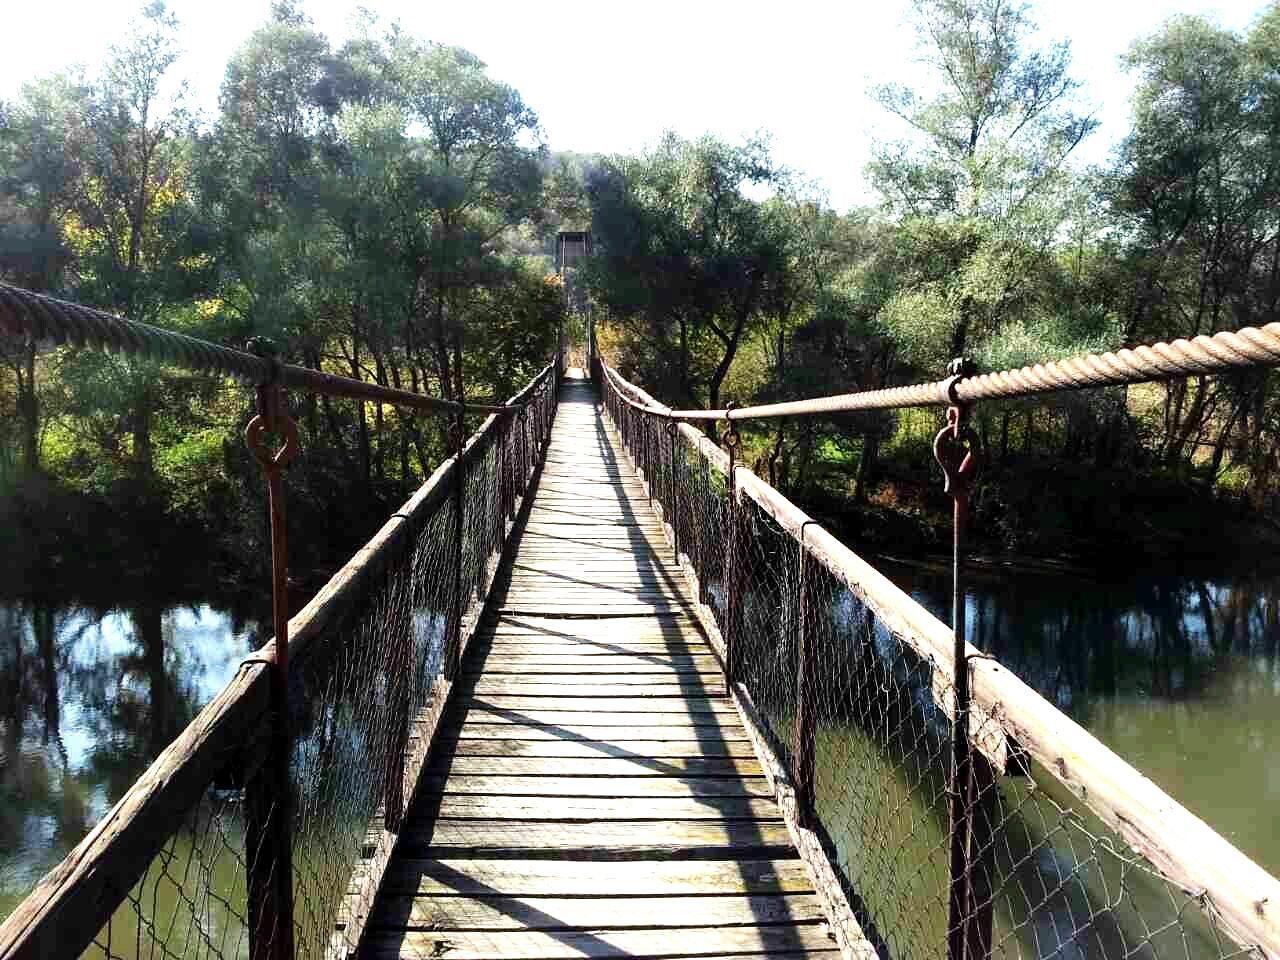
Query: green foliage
point(354, 205)
point(684, 256)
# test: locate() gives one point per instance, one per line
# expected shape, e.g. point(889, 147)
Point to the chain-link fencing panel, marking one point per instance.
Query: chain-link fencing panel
point(191, 901)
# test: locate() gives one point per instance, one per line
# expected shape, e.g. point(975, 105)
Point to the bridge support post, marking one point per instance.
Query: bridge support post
point(523, 455)
point(453, 642)
point(267, 801)
point(399, 670)
point(732, 561)
point(804, 744)
point(958, 451)
point(673, 431)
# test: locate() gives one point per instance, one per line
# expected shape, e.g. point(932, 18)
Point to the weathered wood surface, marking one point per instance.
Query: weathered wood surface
point(791, 939)
point(566, 878)
point(592, 791)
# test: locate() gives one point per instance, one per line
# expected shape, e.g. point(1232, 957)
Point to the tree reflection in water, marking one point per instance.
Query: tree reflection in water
point(89, 697)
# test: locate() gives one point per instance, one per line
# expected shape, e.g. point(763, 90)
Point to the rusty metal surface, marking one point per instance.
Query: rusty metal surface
point(958, 451)
point(270, 872)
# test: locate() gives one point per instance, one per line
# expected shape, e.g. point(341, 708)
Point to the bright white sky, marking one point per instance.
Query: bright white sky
point(610, 78)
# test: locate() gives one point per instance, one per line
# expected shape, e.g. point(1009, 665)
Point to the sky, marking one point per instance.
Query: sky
point(611, 78)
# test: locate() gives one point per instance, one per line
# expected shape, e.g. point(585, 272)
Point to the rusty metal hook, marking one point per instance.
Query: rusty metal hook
point(958, 450)
point(284, 425)
point(731, 437)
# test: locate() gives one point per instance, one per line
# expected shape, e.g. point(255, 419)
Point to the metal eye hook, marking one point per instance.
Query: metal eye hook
point(958, 450)
point(731, 438)
point(284, 425)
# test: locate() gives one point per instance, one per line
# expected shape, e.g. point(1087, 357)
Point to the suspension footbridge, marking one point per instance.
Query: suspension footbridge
point(597, 690)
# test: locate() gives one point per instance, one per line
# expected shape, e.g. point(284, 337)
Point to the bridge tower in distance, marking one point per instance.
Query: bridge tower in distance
point(572, 246)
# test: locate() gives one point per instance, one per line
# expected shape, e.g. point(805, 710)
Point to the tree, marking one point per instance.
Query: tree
point(984, 167)
point(685, 255)
point(41, 142)
point(1196, 191)
point(128, 227)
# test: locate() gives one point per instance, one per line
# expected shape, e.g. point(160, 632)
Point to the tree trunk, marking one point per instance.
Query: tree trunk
point(866, 466)
point(804, 455)
point(776, 452)
point(149, 624)
point(361, 417)
point(29, 410)
point(42, 626)
point(143, 453)
point(1224, 435)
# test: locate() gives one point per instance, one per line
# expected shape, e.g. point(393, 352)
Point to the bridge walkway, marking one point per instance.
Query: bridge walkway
point(592, 791)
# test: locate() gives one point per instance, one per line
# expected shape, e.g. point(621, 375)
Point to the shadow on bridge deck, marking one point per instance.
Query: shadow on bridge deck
point(592, 791)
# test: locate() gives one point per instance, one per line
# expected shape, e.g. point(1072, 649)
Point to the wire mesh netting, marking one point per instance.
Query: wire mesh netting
point(862, 711)
point(362, 692)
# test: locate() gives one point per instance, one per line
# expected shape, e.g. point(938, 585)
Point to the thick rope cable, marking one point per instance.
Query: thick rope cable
point(47, 320)
point(1243, 349)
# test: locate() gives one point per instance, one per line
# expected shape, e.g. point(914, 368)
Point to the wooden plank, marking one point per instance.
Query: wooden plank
point(630, 730)
point(573, 669)
point(598, 839)
point(578, 699)
point(651, 650)
point(671, 629)
point(643, 767)
point(567, 878)
point(579, 593)
point(569, 687)
point(594, 785)
point(588, 657)
point(566, 913)
point(663, 755)
point(709, 723)
point(564, 809)
point(569, 945)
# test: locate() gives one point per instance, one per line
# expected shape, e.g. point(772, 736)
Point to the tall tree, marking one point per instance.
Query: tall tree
point(42, 138)
point(129, 224)
point(686, 256)
point(1196, 190)
point(983, 165)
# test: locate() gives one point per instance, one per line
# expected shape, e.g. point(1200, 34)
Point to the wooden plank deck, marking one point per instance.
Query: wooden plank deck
point(592, 791)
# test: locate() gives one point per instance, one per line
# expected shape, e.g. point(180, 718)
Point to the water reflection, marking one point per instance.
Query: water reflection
point(87, 699)
point(1180, 676)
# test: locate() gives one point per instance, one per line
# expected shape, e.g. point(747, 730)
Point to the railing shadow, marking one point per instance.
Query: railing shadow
point(669, 610)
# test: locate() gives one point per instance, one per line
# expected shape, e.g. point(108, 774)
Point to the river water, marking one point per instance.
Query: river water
point(1178, 675)
point(88, 698)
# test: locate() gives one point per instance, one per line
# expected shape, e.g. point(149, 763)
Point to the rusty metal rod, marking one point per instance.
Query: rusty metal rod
point(268, 799)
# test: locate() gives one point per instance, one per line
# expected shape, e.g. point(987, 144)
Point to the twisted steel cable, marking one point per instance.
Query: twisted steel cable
point(1230, 350)
point(45, 319)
